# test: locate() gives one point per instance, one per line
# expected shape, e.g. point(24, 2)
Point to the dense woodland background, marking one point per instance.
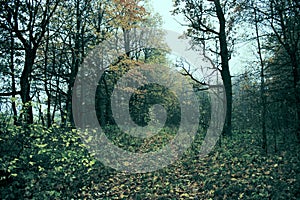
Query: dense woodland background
point(44, 43)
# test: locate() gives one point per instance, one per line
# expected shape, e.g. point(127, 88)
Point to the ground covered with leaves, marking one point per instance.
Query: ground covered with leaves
point(41, 163)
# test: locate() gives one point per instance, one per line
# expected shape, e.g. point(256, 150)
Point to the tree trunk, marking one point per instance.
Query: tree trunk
point(30, 55)
point(126, 42)
point(262, 87)
point(296, 88)
point(47, 90)
point(225, 73)
point(75, 63)
point(13, 81)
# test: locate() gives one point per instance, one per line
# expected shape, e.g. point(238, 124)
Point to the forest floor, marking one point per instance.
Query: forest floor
point(238, 169)
point(53, 164)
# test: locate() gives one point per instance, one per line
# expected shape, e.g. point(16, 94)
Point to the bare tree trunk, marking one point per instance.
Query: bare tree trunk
point(13, 81)
point(262, 86)
point(41, 114)
point(225, 73)
point(47, 90)
point(30, 55)
point(126, 42)
point(75, 63)
point(296, 87)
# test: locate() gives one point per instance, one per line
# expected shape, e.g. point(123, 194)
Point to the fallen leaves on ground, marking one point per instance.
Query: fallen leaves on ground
point(237, 170)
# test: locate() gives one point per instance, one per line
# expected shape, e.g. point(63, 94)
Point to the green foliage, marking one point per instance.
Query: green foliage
point(150, 95)
point(39, 163)
point(140, 145)
point(52, 163)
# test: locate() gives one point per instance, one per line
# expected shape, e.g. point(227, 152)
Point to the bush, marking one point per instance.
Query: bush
point(37, 163)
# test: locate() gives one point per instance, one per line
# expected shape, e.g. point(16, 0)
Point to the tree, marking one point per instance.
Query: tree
point(202, 16)
point(9, 64)
point(285, 16)
point(281, 18)
point(262, 81)
point(127, 15)
point(78, 27)
point(135, 42)
point(28, 21)
point(247, 104)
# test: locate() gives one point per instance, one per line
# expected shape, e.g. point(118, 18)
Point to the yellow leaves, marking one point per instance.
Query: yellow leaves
point(211, 192)
point(14, 175)
point(195, 185)
point(241, 196)
point(185, 195)
point(138, 188)
point(111, 180)
point(124, 66)
point(115, 188)
point(126, 163)
point(41, 168)
point(267, 173)
point(178, 189)
point(127, 13)
point(291, 180)
point(41, 145)
point(58, 169)
point(31, 163)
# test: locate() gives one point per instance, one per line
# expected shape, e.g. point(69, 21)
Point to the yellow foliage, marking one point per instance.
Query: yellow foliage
point(127, 13)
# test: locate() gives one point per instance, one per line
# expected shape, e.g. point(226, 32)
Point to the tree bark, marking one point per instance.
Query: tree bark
point(262, 86)
point(13, 81)
point(75, 62)
point(296, 88)
point(225, 72)
point(30, 54)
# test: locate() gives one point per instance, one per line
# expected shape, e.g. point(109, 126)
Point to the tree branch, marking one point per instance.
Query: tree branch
point(7, 94)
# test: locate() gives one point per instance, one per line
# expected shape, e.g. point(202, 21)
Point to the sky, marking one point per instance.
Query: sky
point(164, 8)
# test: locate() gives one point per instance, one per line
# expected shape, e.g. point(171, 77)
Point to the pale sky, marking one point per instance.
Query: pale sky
point(163, 7)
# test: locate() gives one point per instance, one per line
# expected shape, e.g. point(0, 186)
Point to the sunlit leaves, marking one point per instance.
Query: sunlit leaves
point(47, 158)
point(127, 14)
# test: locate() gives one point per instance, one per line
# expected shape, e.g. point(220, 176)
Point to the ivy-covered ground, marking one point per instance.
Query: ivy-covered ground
point(40, 163)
